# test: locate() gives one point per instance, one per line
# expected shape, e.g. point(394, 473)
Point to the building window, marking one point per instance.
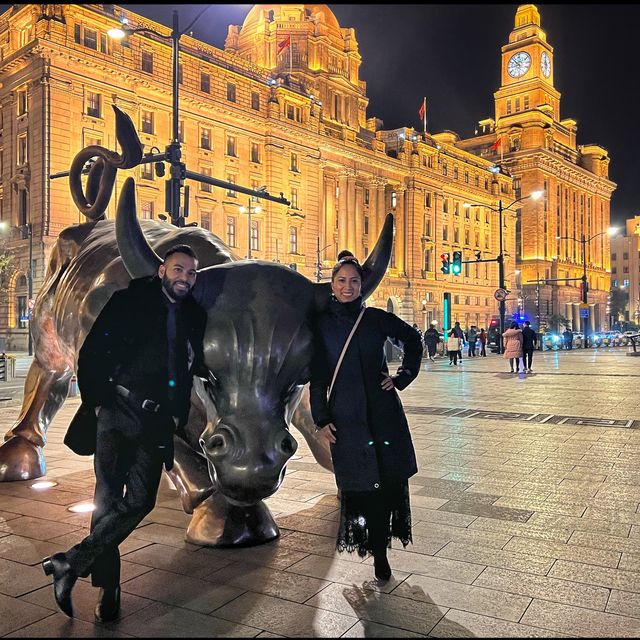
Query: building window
point(466, 177)
point(427, 260)
point(366, 225)
point(94, 104)
point(232, 148)
point(147, 122)
point(625, 255)
point(231, 231)
point(625, 283)
point(147, 61)
point(231, 92)
point(394, 199)
point(294, 198)
point(205, 82)
point(255, 153)
point(445, 233)
point(293, 164)
point(466, 237)
point(444, 168)
point(23, 156)
point(508, 107)
point(526, 102)
point(255, 100)
point(204, 186)
point(456, 235)
point(205, 220)
point(90, 39)
point(293, 240)
point(455, 173)
point(146, 209)
point(22, 104)
point(294, 113)
point(255, 236)
point(427, 199)
point(23, 208)
point(231, 192)
point(146, 171)
point(614, 256)
point(445, 205)
point(205, 138)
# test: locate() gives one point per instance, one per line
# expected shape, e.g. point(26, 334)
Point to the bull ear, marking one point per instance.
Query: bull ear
point(373, 269)
point(137, 255)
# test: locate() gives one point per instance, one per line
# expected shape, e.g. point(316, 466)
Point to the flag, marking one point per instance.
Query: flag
point(423, 109)
point(284, 44)
point(496, 144)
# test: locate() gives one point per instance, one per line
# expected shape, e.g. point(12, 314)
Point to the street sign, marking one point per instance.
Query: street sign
point(584, 313)
point(500, 294)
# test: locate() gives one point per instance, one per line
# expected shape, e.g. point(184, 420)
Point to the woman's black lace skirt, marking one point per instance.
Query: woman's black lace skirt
point(369, 519)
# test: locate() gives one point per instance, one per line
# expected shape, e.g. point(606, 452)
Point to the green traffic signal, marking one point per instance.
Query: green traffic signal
point(456, 264)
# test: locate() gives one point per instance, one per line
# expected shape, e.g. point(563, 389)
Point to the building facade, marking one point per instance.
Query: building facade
point(528, 138)
point(625, 269)
point(281, 105)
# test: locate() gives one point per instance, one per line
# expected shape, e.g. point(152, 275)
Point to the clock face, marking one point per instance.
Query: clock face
point(519, 64)
point(545, 65)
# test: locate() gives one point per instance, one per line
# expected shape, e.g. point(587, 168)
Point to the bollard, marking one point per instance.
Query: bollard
point(73, 387)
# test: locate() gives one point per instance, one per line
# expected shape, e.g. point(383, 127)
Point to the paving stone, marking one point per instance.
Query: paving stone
point(591, 574)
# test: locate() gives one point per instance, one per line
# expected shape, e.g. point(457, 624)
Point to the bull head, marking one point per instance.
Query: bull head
point(258, 347)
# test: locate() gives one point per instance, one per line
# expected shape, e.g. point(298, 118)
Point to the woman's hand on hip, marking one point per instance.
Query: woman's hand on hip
point(327, 433)
point(387, 382)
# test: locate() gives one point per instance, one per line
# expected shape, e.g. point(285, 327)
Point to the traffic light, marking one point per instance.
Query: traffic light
point(456, 266)
point(445, 263)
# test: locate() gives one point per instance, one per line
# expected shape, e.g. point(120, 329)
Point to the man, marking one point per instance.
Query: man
point(135, 370)
point(472, 337)
point(529, 342)
point(568, 338)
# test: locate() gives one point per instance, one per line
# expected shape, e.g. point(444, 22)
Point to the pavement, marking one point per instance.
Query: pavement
point(525, 510)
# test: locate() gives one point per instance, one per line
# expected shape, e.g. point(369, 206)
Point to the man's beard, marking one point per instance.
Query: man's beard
point(169, 288)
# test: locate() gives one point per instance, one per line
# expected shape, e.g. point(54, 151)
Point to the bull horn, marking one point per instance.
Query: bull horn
point(137, 255)
point(374, 267)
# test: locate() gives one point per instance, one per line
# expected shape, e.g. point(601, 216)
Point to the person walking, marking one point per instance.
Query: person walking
point(457, 329)
point(472, 337)
point(513, 346)
point(135, 373)
point(482, 339)
point(454, 347)
point(431, 340)
point(529, 343)
point(568, 339)
point(357, 411)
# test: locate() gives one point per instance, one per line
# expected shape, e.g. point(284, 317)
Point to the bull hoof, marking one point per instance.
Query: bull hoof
point(20, 459)
point(217, 523)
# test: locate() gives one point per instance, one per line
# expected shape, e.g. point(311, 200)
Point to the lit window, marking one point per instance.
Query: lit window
point(293, 240)
point(255, 100)
point(205, 138)
point(205, 171)
point(232, 149)
point(94, 104)
point(294, 162)
point(231, 192)
point(147, 122)
point(231, 231)
point(205, 220)
point(231, 92)
point(146, 209)
point(147, 61)
point(21, 95)
point(205, 82)
point(255, 236)
point(255, 153)
point(23, 157)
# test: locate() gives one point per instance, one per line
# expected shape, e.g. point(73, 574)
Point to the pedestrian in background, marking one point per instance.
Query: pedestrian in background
point(472, 337)
point(529, 343)
point(568, 339)
point(361, 416)
point(431, 340)
point(513, 346)
point(457, 330)
point(454, 346)
point(482, 339)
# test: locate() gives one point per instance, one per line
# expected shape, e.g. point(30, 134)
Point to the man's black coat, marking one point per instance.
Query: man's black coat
point(127, 345)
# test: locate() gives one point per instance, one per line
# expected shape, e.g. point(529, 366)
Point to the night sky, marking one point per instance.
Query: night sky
point(451, 54)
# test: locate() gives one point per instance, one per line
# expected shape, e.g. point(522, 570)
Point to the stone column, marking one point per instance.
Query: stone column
point(352, 243)
point(342, 211)
point(329, 217)
point(400, 220)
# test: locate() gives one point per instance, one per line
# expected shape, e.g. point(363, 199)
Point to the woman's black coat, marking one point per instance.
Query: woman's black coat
point(373, 439)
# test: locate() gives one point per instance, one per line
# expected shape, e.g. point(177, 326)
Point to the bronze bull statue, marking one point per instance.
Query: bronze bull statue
point(233, 452)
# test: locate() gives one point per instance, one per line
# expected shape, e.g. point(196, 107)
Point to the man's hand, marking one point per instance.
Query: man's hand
point(387, 383)
point(327, 433)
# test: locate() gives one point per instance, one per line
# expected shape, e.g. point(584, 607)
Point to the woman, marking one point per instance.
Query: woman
point(513, 346)
point(431, 339)
point(363, 420)
point(482, 339)
point(454, 347)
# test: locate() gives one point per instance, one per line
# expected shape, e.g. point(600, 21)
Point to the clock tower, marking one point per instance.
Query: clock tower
point(527, 69)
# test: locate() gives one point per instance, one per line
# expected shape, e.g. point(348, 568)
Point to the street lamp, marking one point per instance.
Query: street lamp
point(585, 285)
point(27, 232)
point(250, 210)
point(534, 195)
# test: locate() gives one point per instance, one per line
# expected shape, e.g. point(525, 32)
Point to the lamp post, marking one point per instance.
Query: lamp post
point(584, 324)
point(534, 195)
point(249, 210)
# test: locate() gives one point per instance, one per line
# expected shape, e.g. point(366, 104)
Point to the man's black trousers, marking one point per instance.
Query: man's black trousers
point(128, 466)
point(528, 358)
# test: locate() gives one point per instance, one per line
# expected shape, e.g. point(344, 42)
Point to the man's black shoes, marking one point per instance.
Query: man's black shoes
point(108, 607)
point(63, 580)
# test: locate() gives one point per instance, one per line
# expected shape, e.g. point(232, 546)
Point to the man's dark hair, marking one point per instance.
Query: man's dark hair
point(514, 325)
point(527, 323)
point(181, 248)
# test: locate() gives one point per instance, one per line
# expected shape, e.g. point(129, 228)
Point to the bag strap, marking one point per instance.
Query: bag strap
point(344, 350)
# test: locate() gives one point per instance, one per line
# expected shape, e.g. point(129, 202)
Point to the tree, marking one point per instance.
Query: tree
point(556, 319)
point(7, 268)
point(618, 303)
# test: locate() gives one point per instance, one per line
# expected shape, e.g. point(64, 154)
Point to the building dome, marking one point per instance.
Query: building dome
point(289, 13)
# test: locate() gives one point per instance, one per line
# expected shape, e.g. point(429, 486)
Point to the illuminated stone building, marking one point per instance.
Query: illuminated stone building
point(540, 151)
point(625, 267)
point(290, 116)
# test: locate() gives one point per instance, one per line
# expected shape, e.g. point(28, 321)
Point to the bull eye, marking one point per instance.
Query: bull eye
point(287, 445)
point(216, 441)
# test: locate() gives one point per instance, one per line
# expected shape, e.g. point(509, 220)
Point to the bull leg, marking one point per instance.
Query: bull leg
point(45, 391)
point(303, 422)
point(218, 523)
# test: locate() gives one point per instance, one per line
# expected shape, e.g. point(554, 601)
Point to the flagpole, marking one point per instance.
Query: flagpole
point(501, 151)
point(424, 114)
